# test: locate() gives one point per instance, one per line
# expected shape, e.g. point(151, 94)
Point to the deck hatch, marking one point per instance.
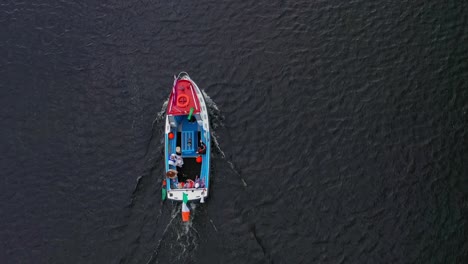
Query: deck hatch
point(188, 141)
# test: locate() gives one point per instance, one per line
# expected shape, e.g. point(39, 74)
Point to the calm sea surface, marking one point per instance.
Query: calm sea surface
point(340, 131)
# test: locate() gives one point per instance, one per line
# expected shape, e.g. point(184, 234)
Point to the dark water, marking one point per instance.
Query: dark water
point(346, 120)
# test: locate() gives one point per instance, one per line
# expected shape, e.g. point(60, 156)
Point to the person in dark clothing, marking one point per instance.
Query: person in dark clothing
point(201, 148)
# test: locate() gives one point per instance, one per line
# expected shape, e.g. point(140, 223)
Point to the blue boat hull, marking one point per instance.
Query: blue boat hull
point(189, 133)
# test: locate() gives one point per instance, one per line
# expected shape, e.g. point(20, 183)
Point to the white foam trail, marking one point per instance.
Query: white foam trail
point(209, 100)
point(216, 117)
point(162, 113)
point(216, 229)
point(214, 112)
point(174, 215)
point(218, 147)
point(186, 239)
point(160, 116)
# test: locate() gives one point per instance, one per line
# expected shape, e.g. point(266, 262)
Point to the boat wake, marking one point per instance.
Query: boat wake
point(177, 241)
point(216, 117)
point(216, 121)
point(231, 165)
point(158, 120)
point(162, 113)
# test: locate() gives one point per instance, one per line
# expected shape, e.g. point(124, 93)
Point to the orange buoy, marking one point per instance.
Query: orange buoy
point(198, 159)
point(171, 135)
point(164, 183)
point(182, 100)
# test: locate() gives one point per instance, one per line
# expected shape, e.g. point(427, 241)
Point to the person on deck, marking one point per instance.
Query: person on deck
point(172, 160)
point(201, 148)
point(178, 156)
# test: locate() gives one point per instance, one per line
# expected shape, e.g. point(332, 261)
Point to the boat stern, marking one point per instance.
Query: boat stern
point(193, 194)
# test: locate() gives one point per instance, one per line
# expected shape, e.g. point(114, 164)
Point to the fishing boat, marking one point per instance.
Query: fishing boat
point(187, 143)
